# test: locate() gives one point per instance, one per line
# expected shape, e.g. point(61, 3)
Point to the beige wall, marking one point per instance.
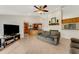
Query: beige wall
point(11, 19)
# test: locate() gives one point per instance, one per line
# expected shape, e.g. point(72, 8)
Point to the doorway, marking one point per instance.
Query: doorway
point(37, 26)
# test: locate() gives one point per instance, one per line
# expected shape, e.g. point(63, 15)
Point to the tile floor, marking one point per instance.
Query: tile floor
point(31, 45)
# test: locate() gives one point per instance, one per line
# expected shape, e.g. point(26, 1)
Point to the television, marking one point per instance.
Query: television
point(11, 29)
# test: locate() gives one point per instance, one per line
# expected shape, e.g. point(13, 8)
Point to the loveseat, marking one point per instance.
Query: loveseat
point(52, 36)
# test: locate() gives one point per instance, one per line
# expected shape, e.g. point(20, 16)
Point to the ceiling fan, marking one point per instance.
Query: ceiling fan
point(41, 9)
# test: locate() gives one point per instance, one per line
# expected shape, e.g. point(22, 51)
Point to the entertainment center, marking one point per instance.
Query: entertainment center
point(11, 34)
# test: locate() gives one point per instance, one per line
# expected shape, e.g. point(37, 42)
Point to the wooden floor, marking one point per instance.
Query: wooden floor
point(31, 45)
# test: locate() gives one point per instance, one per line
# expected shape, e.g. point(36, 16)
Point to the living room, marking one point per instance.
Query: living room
point(51, 20)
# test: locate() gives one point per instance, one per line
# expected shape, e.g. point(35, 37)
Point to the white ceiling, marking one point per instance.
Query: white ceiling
point(71, 11)
point(28, 10)
point(22, 9)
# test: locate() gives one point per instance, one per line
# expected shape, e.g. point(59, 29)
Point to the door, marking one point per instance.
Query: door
point(26, 28)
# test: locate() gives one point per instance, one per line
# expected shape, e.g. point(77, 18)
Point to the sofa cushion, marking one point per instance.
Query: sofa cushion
point(75, 45)
point(45, 33)
point(75, 40)
point(54, 32)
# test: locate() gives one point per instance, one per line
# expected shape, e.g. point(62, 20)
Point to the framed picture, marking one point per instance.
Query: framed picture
point(54, 21)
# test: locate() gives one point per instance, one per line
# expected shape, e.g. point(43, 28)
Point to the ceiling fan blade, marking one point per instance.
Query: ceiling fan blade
point(36, 11)
point(45, 10)
point(45, 6)
point(36, 7)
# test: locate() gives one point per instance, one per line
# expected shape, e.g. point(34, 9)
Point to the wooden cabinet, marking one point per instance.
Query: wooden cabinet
point(71, 20)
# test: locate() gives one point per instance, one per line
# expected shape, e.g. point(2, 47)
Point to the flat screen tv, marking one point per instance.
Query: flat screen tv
point(11, 29)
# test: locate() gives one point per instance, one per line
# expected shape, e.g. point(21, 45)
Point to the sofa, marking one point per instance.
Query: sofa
point(74, 46)
point(52, 36)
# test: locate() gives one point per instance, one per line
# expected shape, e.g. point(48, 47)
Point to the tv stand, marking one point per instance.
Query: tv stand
point(6, 40)
point(16, 37)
